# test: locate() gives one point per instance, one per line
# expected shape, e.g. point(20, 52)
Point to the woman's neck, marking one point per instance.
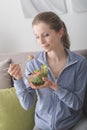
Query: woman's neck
point(57, 55)
point(57, 61)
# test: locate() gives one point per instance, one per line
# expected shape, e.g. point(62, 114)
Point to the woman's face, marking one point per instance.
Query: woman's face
point(46, 37)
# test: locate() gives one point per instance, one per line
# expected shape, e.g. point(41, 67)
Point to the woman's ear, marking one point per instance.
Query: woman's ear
point(61, 32)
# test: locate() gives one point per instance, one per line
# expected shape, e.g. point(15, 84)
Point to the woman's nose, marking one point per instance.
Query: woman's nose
point(42, 40)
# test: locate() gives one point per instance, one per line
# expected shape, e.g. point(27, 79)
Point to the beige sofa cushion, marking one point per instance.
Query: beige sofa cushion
point(82, 52)
point(19, 58)
point(5, 78)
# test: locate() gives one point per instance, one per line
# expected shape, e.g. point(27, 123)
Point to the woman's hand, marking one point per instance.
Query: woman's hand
point(15, 71)
point(47, 83)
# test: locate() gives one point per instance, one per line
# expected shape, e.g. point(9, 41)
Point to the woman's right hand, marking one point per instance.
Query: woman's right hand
point(15, 71)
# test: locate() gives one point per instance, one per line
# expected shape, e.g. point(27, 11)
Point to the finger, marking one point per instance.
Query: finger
point(13, 69)
point(32, 85)
point(45, 79)
point(17, 71)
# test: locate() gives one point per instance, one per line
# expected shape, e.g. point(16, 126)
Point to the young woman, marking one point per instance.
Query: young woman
point(60, 98)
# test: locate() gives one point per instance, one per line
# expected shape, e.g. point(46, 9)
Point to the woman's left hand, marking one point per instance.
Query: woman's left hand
point(47, 83)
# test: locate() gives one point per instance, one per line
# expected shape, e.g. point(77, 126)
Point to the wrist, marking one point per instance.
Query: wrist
point(54, 86)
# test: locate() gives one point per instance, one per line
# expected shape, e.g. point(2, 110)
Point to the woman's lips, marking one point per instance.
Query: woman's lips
point(45, 46)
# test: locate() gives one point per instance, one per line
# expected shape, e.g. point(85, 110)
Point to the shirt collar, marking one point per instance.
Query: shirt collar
point(41, 57)
point(72, 58)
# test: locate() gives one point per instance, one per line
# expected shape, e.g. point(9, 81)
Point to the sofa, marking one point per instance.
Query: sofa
point(12, 115)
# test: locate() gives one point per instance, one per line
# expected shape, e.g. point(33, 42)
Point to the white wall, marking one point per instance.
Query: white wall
point(16, 34)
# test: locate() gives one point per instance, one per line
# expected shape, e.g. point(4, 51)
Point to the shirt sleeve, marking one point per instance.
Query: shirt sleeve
point(24, 92)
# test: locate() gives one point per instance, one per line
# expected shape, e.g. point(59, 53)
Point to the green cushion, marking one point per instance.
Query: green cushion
point(12, 115)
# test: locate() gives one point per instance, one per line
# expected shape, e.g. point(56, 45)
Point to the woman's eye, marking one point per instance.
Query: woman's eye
point(37, 37)
point(46, 35)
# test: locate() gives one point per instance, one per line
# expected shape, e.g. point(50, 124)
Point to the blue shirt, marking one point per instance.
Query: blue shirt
point(56, 109)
